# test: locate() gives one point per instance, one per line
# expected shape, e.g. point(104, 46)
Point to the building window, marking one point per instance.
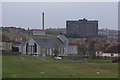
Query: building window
point(112, 54)
point(26, 47)
point(63, 50)
point(35, 48)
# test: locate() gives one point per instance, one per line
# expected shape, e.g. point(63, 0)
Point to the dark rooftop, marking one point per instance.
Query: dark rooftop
point(48, 42)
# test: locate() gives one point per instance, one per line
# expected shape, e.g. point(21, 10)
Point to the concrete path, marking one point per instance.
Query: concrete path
point(77, 61)
point(22, 58)
point(42, 58)
point(32, 56)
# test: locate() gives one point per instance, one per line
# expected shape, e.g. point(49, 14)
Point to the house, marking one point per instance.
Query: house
point(45, 46)
point(72, 49)
point(17, 38)
point(37, 32)
point(5, 44)
point(109, 52)
point(76, 40)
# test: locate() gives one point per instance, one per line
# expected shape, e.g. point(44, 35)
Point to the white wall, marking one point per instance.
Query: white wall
point(72, 49)
point(109, 54)
point(39, 32)
point(106, 54)
point(24, 49)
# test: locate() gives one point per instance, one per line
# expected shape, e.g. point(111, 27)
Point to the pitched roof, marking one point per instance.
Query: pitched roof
point(114, 49)
point(62, 38)
point(48, 42)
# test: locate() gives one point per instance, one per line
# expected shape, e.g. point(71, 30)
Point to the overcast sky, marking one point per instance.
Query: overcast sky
point(29, 14)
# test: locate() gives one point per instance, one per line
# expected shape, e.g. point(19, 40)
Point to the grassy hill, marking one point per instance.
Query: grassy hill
point(34, 67)
point(26, 35)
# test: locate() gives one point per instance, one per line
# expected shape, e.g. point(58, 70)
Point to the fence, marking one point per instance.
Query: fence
point(102, 58)
point(11, 53)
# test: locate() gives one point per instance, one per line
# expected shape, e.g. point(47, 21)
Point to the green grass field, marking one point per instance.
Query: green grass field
point(34, 67)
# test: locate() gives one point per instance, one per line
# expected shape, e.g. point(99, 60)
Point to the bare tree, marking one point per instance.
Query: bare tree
point(82, 46)
point(56, 52)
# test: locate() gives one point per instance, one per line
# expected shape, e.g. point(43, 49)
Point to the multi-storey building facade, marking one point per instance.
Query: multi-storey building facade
point(82, 27)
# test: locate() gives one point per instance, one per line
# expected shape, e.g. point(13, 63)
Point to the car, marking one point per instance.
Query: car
point(57, 58)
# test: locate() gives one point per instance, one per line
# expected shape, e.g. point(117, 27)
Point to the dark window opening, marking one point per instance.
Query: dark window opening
point(112, 54)
point(26, 47)
point(35, 47)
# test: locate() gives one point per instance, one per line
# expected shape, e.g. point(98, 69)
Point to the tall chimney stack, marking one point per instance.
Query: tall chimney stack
point(43, 20)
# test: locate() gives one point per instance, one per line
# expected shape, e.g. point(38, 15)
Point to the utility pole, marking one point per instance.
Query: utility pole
point(43, 20)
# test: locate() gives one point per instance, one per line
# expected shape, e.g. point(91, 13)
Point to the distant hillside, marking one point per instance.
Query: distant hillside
point(14, 30)
point(20, 31)
point(56, 31)
point(14, 33)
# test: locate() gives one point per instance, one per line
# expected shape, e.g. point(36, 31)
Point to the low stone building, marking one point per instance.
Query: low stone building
point(37, 32)
point(45, 46)
point(5, 45)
